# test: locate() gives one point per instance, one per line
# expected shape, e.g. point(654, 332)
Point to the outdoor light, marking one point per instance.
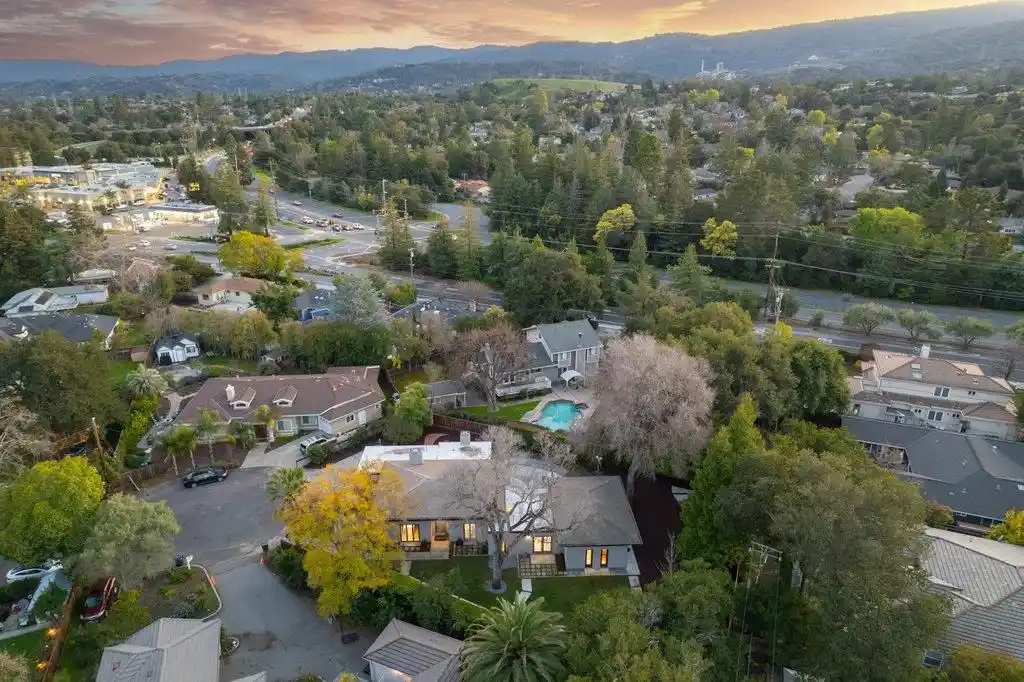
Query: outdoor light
point(52, 632)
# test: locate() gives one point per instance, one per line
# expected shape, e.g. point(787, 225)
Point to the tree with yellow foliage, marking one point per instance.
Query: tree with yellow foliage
point(341, 520)
point(1011, 530)
point(253, 254)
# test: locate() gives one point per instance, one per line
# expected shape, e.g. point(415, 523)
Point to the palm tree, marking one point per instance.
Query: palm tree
point(285, 483)
point(145, 381)
point(242, 435)
point(207, 427)
point(515, 642)
point(180, 441)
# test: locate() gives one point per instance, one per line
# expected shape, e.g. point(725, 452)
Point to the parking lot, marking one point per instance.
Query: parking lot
point(221, 521)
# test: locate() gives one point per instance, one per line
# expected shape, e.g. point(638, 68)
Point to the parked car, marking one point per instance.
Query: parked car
point(310, 442)
point(339, 214)
point(26, 572)
point(171, 247)
point(306, 220)
point(101, 598)
point(296, 203)
point(143, 242)
point(203, 476)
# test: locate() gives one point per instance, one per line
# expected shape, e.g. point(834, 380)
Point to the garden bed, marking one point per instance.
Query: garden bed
point(179, 593)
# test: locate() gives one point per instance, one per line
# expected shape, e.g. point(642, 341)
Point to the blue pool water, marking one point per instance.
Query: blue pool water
point(558, 415)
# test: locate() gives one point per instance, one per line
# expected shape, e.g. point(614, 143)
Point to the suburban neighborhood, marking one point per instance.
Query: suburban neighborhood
point(424, 375)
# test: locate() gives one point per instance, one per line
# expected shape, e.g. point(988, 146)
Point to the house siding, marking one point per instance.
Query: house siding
point(924, 390)
point(341, 425)
point(989, 427)
point(575, 557)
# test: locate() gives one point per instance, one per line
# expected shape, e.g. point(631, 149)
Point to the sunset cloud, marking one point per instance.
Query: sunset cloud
point(153, 31)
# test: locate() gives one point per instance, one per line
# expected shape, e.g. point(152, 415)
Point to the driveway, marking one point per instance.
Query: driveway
point(286, 455)
point(280, 631)
point(221, 521)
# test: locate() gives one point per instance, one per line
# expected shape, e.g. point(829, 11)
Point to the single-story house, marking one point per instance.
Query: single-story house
point(979, 478)
point(176, 348)
point(448, 394)
point(408, 653)
point(75, 328)
point(984, 579)
point(231, 291)
point(559, 353)
point(313, 305)
point(335, 403)
point(592, 529)
point(168, 650)
point(54, 299)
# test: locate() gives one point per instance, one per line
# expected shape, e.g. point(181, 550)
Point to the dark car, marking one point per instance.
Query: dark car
point(338, 215)
point(203, 476)
point(101, 596)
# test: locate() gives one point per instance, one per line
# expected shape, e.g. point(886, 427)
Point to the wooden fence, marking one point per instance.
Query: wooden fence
point(57, 643)
point(225, 457)
point(443, 421)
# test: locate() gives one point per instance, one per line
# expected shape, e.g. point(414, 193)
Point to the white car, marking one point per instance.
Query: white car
point(306, 220)
point(296, 203)
point(171, 247)
point(24, 573)
point(358, 226)
point(825, 340)
point(143, 242)
point(132, 247)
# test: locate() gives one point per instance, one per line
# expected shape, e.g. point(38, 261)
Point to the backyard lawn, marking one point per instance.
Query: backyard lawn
point(562, 594)
point(403, 380)
point(512, 413)
point(224, 362)
point(475, 576)
point(119, 370)
point(29, 645)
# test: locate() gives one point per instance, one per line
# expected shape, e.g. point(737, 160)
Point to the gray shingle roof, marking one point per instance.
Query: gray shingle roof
point(424, 655)
point(972, 475)
point(570, 335)
point(985, 580)
point(77, 328)
point(168, 650)
point(440, 389)
point(317, 298)
point(601, 509)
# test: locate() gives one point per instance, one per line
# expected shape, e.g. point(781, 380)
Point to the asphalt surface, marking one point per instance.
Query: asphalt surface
point(220, 521)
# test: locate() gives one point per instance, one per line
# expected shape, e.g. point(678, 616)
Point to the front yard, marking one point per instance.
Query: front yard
point(179, 593)
point(475, 573)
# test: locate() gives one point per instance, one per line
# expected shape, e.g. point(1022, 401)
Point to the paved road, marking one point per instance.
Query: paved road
point(220, 521)
point(279, 631)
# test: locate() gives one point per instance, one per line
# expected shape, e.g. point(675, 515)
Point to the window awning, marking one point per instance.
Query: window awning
point(570, 374)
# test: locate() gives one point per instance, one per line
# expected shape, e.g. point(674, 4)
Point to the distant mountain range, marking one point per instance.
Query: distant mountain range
point(985, 36)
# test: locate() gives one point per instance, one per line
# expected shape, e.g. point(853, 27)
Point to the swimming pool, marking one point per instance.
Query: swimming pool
point(558, 415)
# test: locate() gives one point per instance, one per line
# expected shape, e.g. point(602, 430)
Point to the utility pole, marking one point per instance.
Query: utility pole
point(773, 297)
point(309, 185)
point(405, 203)
point(412, 253)
point(96, 434)
point(383, 193)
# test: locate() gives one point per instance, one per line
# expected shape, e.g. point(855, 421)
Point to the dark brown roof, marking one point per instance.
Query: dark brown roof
point(332, 395)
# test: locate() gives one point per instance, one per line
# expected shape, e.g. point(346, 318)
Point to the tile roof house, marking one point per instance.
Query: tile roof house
point(592, 529)
point(313, 305)
point(337, 402)
point(980, 479)
point(53, 299)
point(407, 652)
point(984, 580)
point(168, 650)
point(940, 394)
point(74, 328)
point(559, 352)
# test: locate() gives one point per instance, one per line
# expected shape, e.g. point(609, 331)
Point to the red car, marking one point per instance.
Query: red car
point(101, 597)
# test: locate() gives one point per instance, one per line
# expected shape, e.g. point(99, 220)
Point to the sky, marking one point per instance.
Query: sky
point(132, 32)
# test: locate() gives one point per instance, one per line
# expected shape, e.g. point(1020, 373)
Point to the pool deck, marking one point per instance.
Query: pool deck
point(582, 395)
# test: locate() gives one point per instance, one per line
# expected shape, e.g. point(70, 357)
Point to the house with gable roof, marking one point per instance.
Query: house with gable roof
point(408, 653)
point(920, 390)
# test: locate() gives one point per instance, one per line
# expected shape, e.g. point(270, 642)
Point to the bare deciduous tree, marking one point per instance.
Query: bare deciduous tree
point(22, 438)
point(654, 404)
point(515, 494)
point(473, 291)
point(487, 355)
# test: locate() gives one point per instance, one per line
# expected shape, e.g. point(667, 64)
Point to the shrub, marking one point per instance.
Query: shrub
point(287, 563)
point(318, 454)
point(179, 574)
point(817, 318)
point(19, 589)
point(402, 293)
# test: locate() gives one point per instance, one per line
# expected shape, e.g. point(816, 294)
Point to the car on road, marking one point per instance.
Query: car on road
point(203, 476)
point(358, 226)
point(171, 247)
point(26, 572)
point(132, 247)
point(305, 445)
point(101, 597)
point(306, 220)
point(143, 242)
point(824, 339)
point(296, 203)
point(339, 214)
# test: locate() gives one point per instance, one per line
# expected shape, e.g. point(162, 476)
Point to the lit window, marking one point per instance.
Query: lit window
point(588, 562)
point(469, 531)
point(410, 532)
point(541, 543)
point(604, 557)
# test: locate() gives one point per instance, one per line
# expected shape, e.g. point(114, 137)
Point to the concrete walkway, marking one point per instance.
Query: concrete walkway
point(286, 455)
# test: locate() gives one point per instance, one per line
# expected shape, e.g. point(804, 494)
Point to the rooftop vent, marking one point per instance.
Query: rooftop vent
point(415, 456)
point(464, 438)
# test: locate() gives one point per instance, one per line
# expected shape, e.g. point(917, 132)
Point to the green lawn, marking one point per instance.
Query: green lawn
point(29, 645)
point(119, 370)
point(327, 241)
point(562, 594)
point(241, 365)
point(475, 576)
point(512, 413)
point(403, 380)
point(563, 84)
